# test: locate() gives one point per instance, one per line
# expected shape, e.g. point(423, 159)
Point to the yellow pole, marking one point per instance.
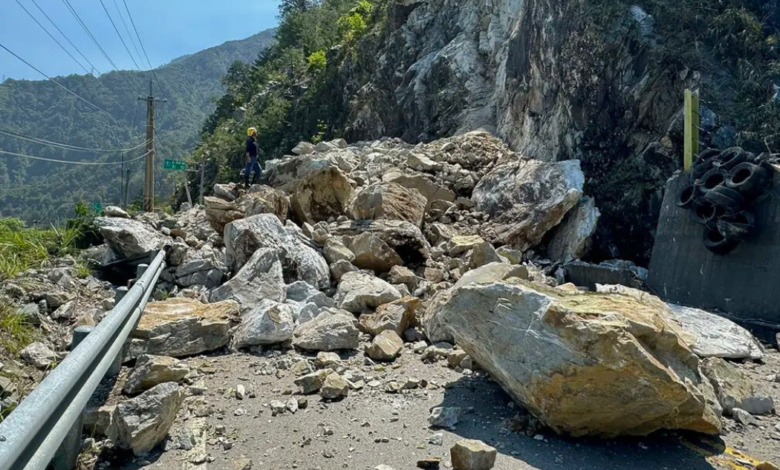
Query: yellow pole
point(692, 121)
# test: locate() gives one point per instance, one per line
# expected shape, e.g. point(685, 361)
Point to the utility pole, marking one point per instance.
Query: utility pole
point(202, 174)
point(150, 150)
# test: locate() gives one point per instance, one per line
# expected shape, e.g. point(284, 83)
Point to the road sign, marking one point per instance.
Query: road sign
point(175, 165)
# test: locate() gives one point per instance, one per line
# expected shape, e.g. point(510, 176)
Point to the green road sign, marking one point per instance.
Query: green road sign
point(175, 165)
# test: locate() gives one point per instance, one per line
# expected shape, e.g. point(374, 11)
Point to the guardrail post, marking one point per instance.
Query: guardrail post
point(140, 270)
point(119, 294)
point(67, 454)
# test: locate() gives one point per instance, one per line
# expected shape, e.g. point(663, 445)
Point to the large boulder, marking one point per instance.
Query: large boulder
point(398, 316)
point(593, 364)
point(152, 370)
point(733, 389)
point(286, 173)
point(526, 198)
point(144, 421)
point(358, 292)
point(571, 239)
point(321, 196)
point(386, 346)
point(709, 335)
point(203, 267)
point(404, 238)
point(370, 252)
point(129, 238)
point(332, 330)
point(183, 327)
point(715, 336)
point(220, 212)
point(268, 323)
point(431, 191)
point(389, 201)
point(261, 199)
point(260, 278)
point(299, 260)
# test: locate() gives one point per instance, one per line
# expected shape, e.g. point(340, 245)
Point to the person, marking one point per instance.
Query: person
point(252, 159)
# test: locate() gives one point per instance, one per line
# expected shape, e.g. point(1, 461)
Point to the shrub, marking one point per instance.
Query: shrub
point(318, 61)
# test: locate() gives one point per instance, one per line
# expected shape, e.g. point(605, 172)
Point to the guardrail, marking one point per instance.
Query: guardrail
point(45, 429)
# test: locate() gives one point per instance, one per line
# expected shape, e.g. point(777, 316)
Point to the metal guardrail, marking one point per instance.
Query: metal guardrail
point(45, 429)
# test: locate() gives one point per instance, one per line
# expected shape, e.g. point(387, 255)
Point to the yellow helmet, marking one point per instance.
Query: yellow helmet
point(251, 131)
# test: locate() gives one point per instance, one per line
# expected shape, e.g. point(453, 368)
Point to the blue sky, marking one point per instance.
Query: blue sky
point(168, 29)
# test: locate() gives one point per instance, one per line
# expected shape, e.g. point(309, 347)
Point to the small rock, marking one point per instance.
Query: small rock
point(292, 405)
point(445, 416)
point(757, 405)
point(743, 417)
point(303, 403)
point(326, 359)
point(393, 387)
point(39, 355)
point(240, 392)
point(335, 386)
point(242, 464)
point(277, 407)
point(437, 439)
point(311, 383)
point(431, 463)
point(386, 346)
point(470, 454)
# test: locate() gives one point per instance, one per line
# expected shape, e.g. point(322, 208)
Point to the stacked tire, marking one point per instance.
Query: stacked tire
point(721, 192)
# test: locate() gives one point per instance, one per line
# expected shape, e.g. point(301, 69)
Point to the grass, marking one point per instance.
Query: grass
point(16, 332)
point(83, 270)
point(24, 248)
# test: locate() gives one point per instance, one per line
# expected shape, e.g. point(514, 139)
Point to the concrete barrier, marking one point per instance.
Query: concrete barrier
point(743, 285)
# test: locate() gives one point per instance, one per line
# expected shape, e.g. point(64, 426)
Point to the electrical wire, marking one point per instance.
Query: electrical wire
point(66, 37)
point(95, 41)
point(127, 30)
point(66, 146)
point(53, 80)
point(118, 34)
point(53, 160)
point(52, 36)
point(141, 43)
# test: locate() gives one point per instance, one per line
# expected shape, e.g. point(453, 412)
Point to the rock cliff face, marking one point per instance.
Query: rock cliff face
point(541, 74)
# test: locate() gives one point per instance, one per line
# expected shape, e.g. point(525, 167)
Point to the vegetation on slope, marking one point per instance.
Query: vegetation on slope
point(42, 192)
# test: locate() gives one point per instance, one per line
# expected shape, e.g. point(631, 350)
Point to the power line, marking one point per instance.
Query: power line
point(66, 37)
point(53, 80)
point(66, 146)
point(141, 43)
point(94, 40)
point(118, 34)
point(52, 36)
point(53, 160)
point(127, 30)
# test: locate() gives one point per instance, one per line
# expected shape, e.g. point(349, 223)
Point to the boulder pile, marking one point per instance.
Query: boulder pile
point(383, 248)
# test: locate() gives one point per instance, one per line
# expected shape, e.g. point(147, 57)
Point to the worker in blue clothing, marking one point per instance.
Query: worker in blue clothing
point(252, 159)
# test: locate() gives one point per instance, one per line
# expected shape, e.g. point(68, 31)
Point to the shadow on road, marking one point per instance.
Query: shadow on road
point(490, 416)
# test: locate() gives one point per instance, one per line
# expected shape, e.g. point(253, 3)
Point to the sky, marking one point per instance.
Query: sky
point(168, 29)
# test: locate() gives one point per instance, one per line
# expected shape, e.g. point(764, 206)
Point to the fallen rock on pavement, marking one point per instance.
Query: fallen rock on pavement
point(572, 237)
point(358, 291)
point(268, 323)
point(398, 316)
point(321, 196)
point(445, 417)
point(470, 454)
point(389, 201)
point(385, 347)
point(183, 327)
point(715, 336)
point(144, 421)
point(332, 330)
point(734, 389)
point(260, 278)
point(562, 355)
point(128, 238)
point(334, 387)
point(152, 370)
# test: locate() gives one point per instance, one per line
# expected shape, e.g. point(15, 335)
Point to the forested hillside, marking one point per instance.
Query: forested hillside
point(42, 192)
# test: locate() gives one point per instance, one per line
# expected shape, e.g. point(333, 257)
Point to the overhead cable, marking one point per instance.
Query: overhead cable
point(66, 37)
point(52, 36)
point(66, 146)
point(118, 34)
point(53, 80)
point(54, 160)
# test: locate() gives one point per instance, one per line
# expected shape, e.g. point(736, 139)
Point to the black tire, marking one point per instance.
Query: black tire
point(729, 199)
point(732, 157)
point(687, 196)
point(705, 212)
point(712, 179)
point(749, 179)
point(737, 226)
point(717, 243)
point(703, 162)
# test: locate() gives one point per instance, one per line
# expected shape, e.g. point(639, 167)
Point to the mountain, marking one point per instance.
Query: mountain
point(43, 192)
